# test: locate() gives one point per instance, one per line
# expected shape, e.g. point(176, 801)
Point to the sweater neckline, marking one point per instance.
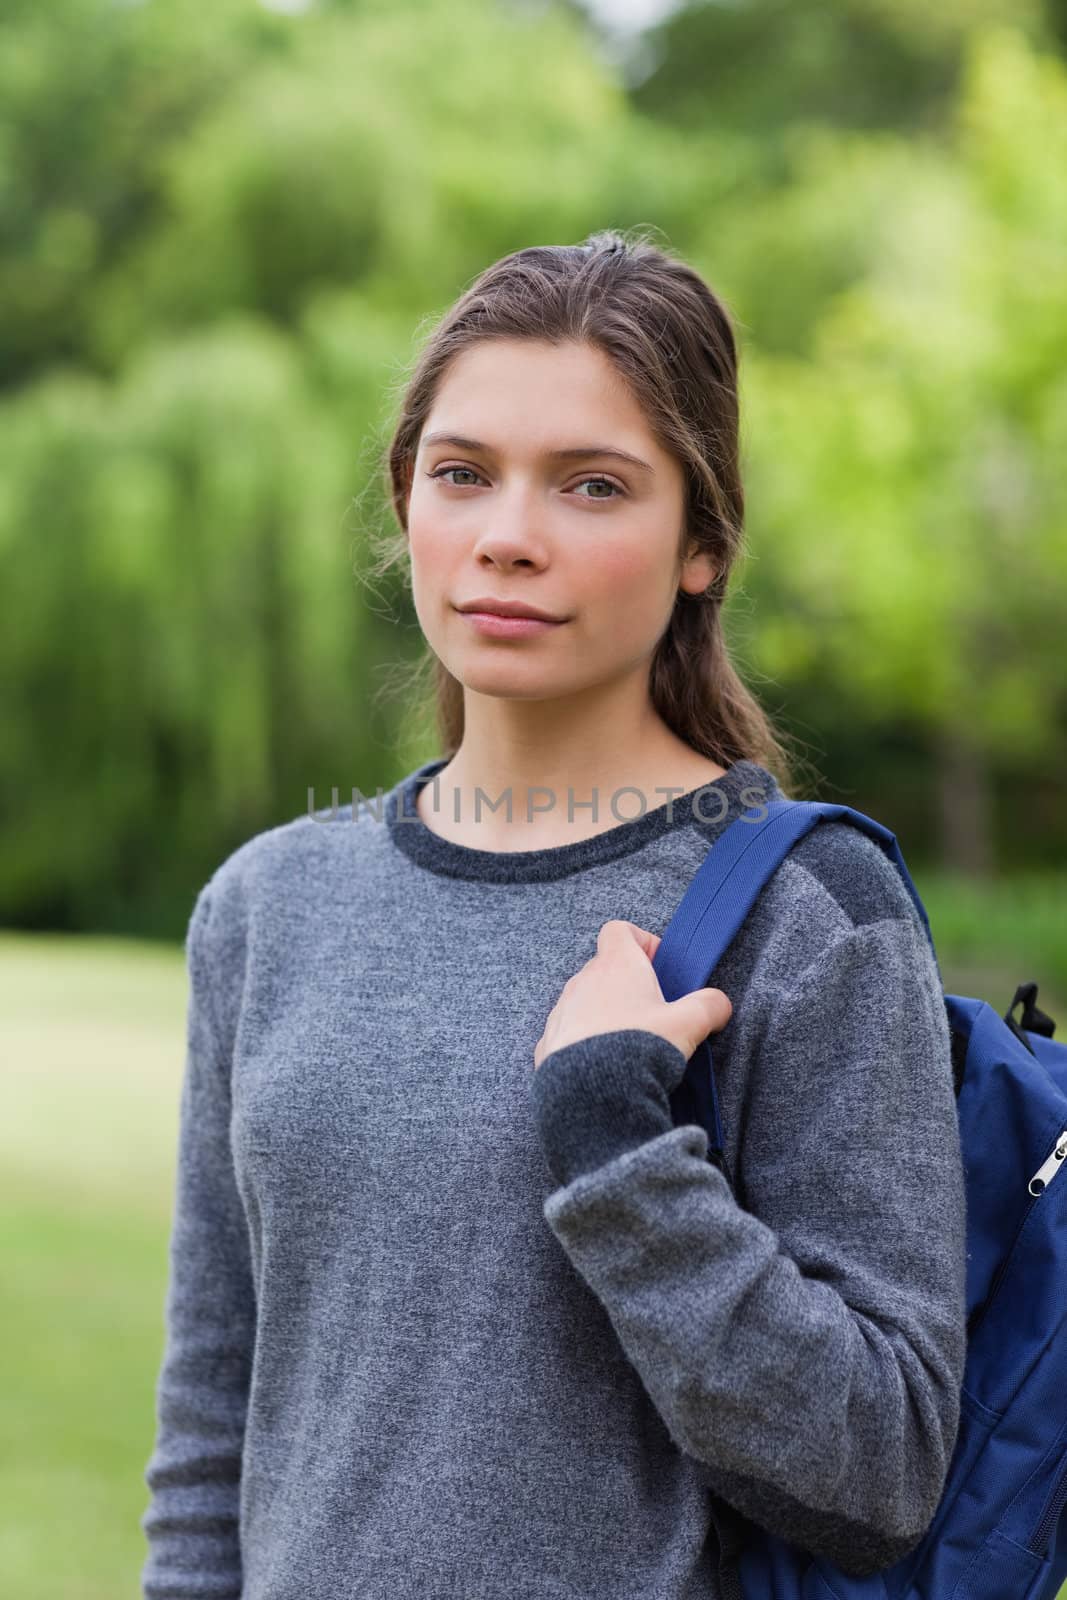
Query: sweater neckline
point(711, 807)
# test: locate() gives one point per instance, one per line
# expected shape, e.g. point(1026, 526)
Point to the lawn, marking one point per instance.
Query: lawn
point(91, 1041)
point(92, 1045)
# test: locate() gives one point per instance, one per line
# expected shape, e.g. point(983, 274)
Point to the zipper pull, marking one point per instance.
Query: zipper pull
point(1045, 1174)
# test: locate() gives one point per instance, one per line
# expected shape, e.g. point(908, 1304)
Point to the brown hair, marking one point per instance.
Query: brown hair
point(672, 339)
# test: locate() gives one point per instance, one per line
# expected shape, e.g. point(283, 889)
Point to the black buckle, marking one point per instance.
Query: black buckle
point(1033, 1019)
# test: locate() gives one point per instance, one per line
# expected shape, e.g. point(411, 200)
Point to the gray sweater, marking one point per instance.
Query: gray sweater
point(441, 1327)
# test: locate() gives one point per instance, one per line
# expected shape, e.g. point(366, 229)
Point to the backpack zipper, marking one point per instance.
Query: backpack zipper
point(1037, 1186)
point(1057, 1499)
point(1048, 1170)
point(1050, 1516)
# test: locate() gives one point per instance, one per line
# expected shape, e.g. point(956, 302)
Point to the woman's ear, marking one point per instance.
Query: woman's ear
point(698, 573)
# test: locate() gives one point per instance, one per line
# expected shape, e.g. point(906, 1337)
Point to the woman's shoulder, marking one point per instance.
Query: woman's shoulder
point(840, 869)
point(835, 870)
point(293, 860)
point(279, 888)
point(835, 883)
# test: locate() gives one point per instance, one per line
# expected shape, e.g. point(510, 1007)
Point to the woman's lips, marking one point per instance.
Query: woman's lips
point(495, 626)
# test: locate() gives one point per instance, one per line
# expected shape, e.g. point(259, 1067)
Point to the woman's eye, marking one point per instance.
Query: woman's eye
point(601, 483)
point(442, 472)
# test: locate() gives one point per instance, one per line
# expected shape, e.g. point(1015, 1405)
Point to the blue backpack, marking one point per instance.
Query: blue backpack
point(999, 1532)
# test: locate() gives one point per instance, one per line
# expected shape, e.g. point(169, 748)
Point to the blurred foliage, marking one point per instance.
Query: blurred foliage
point(95, 96)
point(907, 474)
point(761, 66)
point(222, 235)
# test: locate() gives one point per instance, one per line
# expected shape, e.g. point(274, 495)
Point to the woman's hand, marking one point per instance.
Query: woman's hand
point(618, 988)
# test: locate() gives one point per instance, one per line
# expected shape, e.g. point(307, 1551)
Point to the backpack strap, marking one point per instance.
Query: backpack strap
point(716, 903)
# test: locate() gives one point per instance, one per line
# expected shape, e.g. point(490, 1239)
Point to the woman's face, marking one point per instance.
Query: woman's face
point(525, 501)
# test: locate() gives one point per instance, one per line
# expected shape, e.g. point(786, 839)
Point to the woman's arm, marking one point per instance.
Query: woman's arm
point(807, 1349)
point(192, 1522)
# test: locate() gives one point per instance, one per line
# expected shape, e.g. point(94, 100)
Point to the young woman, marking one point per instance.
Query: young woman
point(455, 1310)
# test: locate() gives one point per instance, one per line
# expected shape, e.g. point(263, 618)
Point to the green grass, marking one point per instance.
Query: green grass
point(92, 1046)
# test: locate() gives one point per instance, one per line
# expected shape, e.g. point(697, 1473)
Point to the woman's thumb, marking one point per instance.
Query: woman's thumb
point(703, 1011)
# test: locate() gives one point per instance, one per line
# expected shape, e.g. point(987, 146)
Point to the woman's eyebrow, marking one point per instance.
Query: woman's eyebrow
point(572, 453)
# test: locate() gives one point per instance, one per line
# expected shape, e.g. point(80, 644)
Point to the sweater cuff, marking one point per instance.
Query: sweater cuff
point(598, 1097)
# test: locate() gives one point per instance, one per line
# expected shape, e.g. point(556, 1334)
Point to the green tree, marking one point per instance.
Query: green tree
point(94, 95)
point(907, 477)
point(762, 66)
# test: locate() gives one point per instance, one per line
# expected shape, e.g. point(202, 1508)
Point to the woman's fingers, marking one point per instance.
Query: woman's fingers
point(619, 929)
